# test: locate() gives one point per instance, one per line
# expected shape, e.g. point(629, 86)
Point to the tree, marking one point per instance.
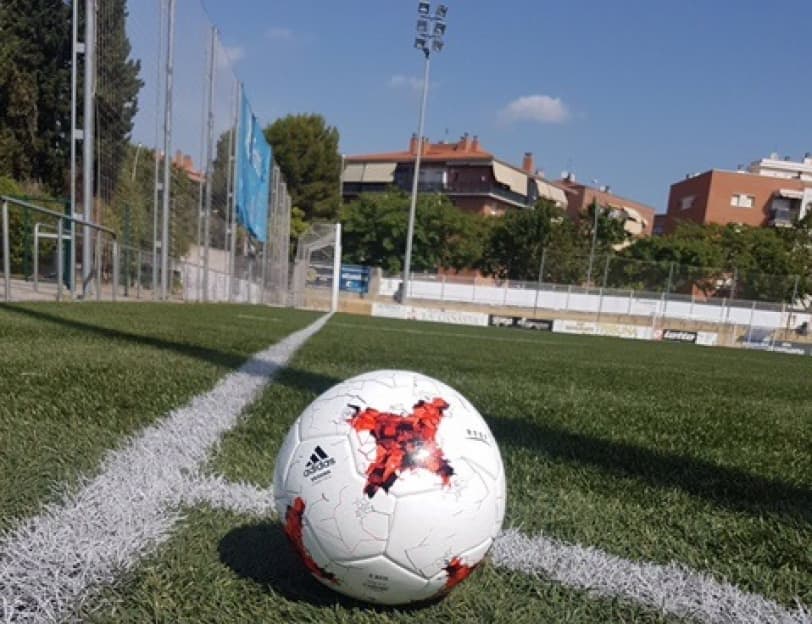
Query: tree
point(35, 57)
point(730, 260)
point(375, 226)
point(518, 240)
point(306, 150)
point(117, 91)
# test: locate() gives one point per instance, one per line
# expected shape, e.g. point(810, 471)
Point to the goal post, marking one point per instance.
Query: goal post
point(317, 268)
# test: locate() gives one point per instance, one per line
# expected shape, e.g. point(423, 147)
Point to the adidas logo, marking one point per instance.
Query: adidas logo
point(319, 461)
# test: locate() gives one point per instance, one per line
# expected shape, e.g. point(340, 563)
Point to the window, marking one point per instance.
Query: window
point(687, 202)
point(742, 201)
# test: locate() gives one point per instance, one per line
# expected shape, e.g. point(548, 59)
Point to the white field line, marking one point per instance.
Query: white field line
point(670, 589)
point(50, 562)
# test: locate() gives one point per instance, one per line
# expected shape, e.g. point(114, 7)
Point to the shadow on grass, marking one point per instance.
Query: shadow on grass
point(730, 488)
point(261, 553)
point(213, 356)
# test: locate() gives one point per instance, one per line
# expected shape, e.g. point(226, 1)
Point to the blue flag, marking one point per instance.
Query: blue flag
point(253, 174)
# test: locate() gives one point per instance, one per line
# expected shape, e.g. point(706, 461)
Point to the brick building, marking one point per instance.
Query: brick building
point(471, 177)
point(770, 193)
point(638, 218)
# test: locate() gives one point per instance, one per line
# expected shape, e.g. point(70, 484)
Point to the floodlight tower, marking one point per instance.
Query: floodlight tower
point(428, 39)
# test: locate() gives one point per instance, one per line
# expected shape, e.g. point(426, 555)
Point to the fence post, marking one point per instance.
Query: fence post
point(750, 324)
point(98, 238)
point(473, 290)
point(138, 277)
point(504, 294)
point(567, 300)
point(250, 281)
point(115, 270)
point(442, 289)
point(541, 280)
point(6, 255)
point(36, 257)
point(59, 259)
point(629, 307)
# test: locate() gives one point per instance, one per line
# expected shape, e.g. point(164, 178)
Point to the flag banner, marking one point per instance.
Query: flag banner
point(253, 174)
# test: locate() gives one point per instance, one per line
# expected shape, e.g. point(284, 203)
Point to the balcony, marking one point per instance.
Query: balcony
point(782, 217)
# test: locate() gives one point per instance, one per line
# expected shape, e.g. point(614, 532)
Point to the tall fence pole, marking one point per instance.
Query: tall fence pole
point(167, 185)
point(88, 140)
point(209, 165)
point(157, 178)
point(232, 252)
point(74, 81)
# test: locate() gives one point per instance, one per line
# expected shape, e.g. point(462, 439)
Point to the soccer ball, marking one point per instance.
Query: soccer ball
point(391, 487)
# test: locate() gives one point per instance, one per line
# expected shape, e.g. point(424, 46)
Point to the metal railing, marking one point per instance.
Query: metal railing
point(60, 238)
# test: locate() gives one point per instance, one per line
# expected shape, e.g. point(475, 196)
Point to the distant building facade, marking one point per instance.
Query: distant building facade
point(769, 193)
point(638, 218)
point(472, 178)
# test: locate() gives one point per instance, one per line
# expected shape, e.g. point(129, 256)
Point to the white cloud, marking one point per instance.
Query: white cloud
point(538, 108)
point(279, 34)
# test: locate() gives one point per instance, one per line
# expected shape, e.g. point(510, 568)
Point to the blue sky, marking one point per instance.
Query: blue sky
point(633, 93)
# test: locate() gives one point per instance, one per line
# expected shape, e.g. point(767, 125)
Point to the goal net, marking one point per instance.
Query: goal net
point(316, 268)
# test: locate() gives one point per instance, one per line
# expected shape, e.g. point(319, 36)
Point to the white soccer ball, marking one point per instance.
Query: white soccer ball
point(390, 487)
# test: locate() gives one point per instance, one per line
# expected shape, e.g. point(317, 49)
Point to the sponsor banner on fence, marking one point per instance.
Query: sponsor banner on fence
point(616, 330)
point(707, 339)
point(679, 335)
point(354, 278)
point(523, 322)
point(781, 346)
point(411, 313)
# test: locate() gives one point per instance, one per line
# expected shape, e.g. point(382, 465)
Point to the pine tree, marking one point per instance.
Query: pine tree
point(117, 88)
point(35, 56)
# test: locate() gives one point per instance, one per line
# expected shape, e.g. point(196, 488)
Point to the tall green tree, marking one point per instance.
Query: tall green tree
point(306, 150)
point(519, 238)
point(375, 226)
point(117, 88)
point(35, 57)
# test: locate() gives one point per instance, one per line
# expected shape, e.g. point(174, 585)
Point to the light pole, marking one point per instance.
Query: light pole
point(427, 42)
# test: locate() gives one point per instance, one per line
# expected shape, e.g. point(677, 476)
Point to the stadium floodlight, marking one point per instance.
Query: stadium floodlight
point(427, 43)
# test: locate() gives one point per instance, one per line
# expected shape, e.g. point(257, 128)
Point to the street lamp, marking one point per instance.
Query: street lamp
point(428, 38)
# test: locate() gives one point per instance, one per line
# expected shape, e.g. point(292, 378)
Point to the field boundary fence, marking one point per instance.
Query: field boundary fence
point(596, 302)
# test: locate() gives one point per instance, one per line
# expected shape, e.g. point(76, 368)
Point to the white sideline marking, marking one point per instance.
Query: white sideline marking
point(670, 589)
point(48, 563)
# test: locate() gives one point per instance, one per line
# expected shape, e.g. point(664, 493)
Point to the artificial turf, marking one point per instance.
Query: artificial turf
point(650, 451)
point(75, 379)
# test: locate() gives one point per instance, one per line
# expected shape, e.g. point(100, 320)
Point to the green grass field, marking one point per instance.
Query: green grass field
point(650, 451)
point(75, 379)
